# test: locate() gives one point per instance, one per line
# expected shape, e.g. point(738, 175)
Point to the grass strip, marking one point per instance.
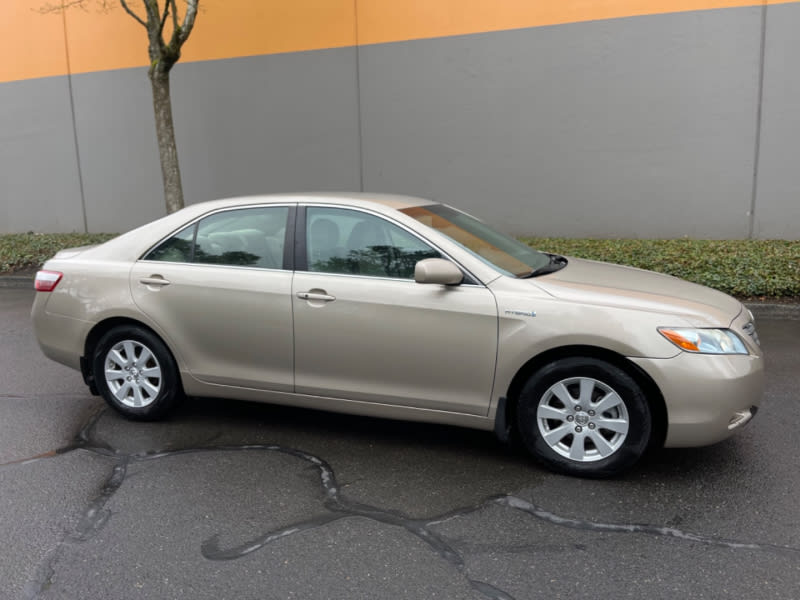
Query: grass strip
point(743, 268)
point(25, 251)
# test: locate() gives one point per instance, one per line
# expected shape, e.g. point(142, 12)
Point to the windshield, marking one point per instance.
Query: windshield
point(496, 249)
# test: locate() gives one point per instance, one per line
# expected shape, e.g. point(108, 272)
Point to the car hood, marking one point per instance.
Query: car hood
point(607, 284)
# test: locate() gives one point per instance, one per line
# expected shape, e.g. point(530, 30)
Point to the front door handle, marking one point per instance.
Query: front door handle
point(154, 280)
point(315, 296)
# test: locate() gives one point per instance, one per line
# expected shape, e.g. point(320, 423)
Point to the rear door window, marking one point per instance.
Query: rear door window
point(248, 237)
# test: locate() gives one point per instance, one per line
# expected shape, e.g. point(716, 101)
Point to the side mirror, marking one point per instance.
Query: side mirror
point(437, 270)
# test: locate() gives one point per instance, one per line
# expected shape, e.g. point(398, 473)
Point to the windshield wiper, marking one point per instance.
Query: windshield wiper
point(556, 263)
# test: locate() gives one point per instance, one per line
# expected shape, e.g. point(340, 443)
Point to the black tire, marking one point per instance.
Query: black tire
point(582, 440)
point(136, 374)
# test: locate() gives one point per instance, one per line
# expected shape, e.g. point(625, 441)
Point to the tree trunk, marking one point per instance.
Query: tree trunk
point(165, 133)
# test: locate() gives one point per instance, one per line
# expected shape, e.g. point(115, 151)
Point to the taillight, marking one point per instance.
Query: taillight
point(46, 281)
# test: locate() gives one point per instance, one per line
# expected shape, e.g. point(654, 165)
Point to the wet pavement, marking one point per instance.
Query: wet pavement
point(239, 500)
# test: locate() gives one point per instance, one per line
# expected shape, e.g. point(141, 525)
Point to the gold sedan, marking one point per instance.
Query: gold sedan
point(398, 307)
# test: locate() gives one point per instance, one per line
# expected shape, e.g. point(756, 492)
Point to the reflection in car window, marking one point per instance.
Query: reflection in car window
point(356, 243)
point(494, 248)
point(178, 248)
point(251, 237)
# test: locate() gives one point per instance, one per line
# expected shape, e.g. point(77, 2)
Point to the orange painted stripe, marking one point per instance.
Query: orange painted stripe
point(33, 43)
point(394, 20)
point(224, 29)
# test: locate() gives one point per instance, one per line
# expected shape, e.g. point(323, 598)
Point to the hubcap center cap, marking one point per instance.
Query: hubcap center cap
point(581, 418)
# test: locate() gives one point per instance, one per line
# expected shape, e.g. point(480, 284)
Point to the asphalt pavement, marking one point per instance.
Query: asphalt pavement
point(235, 500)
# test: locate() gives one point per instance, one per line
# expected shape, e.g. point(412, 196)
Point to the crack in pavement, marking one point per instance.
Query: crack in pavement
point(31, 459)
point(96, 516)
point(93, 518)
point(81, 441)
point(654, 530)
point(91, 522)
point(7, 396)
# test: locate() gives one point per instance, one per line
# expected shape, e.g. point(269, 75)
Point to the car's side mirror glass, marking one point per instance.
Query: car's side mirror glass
point(437, 270)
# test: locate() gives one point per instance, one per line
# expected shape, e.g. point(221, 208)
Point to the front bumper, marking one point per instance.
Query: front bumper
point(708, 397)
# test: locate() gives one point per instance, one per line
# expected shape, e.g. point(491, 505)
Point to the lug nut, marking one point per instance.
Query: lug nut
point(570, 418)
point(578, 408)
point(578, 429)
point(591, 413)
point(592, 425)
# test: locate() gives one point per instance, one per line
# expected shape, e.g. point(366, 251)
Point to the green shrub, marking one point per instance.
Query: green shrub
point(744, 268)
point(20, 251)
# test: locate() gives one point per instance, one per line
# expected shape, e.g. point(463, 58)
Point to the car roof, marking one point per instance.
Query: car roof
point(364, 199)
point(132, 243)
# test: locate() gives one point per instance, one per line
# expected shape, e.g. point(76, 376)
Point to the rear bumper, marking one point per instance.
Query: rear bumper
point(708, 397)
point(60, 338)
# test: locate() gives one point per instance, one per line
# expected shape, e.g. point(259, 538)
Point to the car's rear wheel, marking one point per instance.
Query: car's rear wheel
point(135, 373)
point(585, 417)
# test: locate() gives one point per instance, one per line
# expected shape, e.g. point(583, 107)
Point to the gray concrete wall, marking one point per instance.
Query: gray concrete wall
point(275, 123)
point(118, 151)
point(39, 183)
point(638, 127)
point(778, 198)
point(243, 126)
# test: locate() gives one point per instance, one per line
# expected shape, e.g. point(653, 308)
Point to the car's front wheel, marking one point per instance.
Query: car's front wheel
point(584, 416)
point(135, 373)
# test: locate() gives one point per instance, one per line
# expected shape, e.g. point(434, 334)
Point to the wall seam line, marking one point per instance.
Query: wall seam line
point(74, 121)
point(759, 121)
point(359, 115)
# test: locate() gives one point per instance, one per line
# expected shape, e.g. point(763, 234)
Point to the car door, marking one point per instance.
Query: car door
point(221, 296)
point(364, 330)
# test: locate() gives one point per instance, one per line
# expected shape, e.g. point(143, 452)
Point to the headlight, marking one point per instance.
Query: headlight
point(704, 341)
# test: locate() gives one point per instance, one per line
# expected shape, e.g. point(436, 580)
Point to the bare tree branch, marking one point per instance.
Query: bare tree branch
point(128, 10)
point(162, 58)
point(155, 39)
point(174, 14)
point(152, 11)
point(164, 18)
point(188, 20)
point(64, 4)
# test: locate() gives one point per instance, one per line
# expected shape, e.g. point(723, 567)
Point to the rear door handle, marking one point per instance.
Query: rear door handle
point(155, 280)
point(315, 296)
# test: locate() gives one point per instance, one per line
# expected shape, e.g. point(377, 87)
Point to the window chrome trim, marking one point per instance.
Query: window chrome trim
point(292, 206)
point(212, 265)
point(375, 277)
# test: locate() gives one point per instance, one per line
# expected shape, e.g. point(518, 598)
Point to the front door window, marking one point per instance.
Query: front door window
point(356, 243)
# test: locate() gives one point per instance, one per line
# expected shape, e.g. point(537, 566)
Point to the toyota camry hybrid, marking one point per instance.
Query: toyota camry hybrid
point(404, 308)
